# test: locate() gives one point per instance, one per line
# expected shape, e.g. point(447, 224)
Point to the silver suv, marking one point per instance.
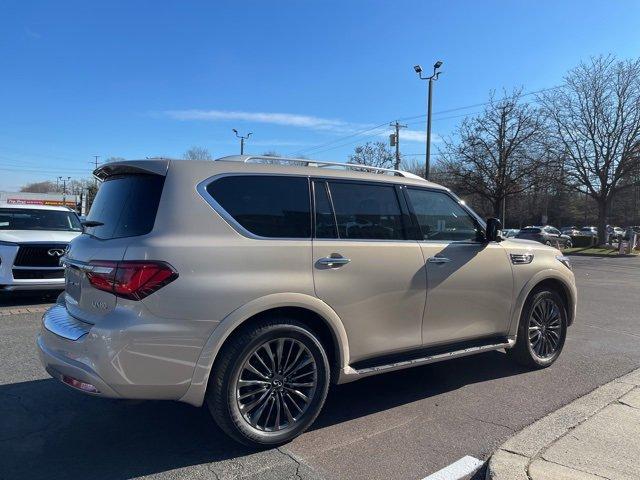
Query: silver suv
point(251, 287)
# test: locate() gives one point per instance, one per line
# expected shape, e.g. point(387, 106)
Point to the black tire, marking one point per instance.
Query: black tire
point(569, 244)
point(224, 391)
point(525, 350)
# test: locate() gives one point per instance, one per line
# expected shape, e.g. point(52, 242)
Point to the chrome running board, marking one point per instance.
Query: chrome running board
point(349, 374)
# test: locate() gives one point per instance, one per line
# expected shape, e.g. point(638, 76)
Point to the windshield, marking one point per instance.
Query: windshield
point(34, 219)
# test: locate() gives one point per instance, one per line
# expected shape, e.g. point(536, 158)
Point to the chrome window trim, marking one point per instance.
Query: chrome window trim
point(201, 188)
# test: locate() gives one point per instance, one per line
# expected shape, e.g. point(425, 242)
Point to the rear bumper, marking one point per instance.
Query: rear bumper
point(125, 355)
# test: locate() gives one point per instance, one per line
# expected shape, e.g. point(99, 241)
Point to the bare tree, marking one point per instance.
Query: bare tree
point(41, 187)
point(197, 153)
point(373, 154)
point(596, 123)
point(497, 153)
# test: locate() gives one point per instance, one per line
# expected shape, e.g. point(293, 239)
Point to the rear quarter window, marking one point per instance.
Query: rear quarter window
point(266, 205)
point(127, 206)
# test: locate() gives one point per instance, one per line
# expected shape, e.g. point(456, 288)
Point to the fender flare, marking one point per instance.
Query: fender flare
point(197, 389)
point(541, 276)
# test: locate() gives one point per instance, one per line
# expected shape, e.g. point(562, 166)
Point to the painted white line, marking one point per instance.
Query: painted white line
point(457, 470)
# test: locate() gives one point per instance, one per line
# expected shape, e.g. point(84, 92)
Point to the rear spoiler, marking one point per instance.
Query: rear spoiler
point(155, 166)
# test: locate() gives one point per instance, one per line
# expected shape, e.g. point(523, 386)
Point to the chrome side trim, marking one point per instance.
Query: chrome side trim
point(521, 258)
point(350, 374)
point(57, 320)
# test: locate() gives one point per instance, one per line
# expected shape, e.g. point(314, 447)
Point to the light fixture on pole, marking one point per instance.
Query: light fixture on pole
point(242, 139)
point(431, 79)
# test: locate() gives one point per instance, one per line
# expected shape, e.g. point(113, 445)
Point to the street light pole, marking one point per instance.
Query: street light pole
point(432, 78)
point(242, 139)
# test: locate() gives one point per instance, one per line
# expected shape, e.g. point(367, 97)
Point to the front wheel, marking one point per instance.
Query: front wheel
point(542, 330)
point(270, 383)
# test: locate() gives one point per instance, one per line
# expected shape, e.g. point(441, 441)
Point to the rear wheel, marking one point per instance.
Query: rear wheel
point(269, 383)
point(542, 330)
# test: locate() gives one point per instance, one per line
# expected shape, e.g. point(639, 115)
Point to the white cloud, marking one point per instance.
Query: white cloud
point(295, 120)
point(288, 119)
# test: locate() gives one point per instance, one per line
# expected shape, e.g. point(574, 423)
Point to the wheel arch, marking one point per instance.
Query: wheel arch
point(310, 310)
point(554, 280)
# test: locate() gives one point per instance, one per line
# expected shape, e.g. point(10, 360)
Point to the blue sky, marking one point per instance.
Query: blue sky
point(146, 78)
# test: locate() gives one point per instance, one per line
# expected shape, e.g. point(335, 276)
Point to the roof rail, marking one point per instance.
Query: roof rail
point(319, 163)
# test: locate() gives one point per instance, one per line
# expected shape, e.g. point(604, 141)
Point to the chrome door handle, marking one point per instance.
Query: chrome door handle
point(332, 262)
point(438, 260)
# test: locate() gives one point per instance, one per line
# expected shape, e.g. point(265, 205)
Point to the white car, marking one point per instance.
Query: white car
point(32, 240)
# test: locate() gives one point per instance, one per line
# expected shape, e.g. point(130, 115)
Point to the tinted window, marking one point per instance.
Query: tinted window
point(440, 217)
point(126, 205)
point(34, 219)
point(268, 206)
point(367, 211)
point(530, 230)
point(325, 220)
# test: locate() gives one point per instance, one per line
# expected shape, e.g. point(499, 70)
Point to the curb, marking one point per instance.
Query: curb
point(512, 460)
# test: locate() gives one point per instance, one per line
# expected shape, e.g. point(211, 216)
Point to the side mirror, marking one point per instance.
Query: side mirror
point(493, 227)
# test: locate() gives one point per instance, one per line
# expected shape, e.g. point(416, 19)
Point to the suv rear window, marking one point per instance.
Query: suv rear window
point(266, 205)
point(126, 205)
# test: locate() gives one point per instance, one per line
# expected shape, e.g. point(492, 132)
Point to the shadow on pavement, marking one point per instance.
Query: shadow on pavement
point(26, 298)
point(49, 431)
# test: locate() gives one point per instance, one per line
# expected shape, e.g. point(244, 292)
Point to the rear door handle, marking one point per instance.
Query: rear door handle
point(438, 260)
point(333, 262)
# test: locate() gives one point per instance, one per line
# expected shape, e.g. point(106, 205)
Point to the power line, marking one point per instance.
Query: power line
point(313, 150)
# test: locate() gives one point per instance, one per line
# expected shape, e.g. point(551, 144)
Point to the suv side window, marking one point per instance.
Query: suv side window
point(266, 205)
point(441, 218)
point(367, 211)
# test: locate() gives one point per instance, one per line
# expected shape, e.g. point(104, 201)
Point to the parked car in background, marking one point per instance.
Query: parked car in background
point(615, 234)
point(509, 232)
point(32, 241)
point(571, 231)
point(283, 279)
point(589, 231)
point(546, 234)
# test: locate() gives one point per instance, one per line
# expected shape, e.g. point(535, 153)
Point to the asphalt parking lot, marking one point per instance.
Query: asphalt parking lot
point(403, 425)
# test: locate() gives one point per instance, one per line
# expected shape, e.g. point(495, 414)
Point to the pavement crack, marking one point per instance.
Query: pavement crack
point(488, 422)
point(295, 460)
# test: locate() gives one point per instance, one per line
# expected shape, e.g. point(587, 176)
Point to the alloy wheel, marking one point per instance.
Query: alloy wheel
point(545, 328)
point(276, 384)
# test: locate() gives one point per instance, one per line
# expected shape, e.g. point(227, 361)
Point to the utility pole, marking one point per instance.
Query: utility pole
point(64, 189)
point(95, 162)
point(431, 79)
point(242, 139)
point(394, 139)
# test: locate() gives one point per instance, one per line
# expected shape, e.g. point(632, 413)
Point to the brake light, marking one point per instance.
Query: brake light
point(130, 279)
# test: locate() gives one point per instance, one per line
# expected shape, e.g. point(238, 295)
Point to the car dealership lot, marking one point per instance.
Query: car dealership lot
point(403, 425)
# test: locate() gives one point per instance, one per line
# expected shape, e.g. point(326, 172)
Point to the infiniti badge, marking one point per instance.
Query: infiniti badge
point(55, 252)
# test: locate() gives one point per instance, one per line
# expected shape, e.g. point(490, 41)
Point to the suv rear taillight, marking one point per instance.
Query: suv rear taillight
point(130, 279)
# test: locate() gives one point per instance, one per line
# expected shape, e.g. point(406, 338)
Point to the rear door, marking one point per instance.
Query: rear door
point(469, 281)
point(125, 207)
point(366, 268)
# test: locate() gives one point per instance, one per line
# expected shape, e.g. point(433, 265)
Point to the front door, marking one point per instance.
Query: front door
point(365, 267)
point(469, 281)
